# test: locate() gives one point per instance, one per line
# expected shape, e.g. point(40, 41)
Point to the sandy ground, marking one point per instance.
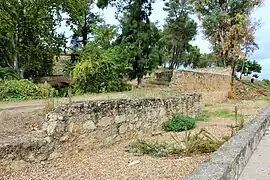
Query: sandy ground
point(82, 162)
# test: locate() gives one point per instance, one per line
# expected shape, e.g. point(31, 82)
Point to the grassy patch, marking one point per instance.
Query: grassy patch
point(224, 113)
point(181, 123)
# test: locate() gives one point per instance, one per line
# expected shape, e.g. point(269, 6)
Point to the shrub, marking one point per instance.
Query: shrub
point(24, 89)
point(180, 123)
point(8, 73)
point(201, 142)
point(142, 146)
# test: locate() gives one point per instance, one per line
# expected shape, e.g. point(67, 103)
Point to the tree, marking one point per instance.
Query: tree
point(249, 67)
point(81, 20)
point(209, 60)
point(28, 38)
point(226, 25)
point(193, 57)
point(102, 67)
point(179, 30)
point(140, 37)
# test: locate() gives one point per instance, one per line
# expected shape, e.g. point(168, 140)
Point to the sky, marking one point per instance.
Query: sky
point(262, 34)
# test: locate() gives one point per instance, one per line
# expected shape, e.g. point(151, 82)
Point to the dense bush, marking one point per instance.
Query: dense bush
point(180, 123)
point(101, 71)
point(24, 89)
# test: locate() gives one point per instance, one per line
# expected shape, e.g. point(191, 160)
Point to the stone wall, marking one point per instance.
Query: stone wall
point(230, 160)
point(199, 81)
point(110, 120)
point(214, 83)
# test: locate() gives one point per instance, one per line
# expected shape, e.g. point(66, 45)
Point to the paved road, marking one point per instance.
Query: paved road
point(258, 167)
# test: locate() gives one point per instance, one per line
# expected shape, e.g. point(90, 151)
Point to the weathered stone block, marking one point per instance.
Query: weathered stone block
point(123, 128)
point(89, 126)
point(105, 121)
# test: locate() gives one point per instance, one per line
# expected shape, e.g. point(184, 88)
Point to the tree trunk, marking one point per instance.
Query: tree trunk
point(139, 80)
point(15, 55)
point(84, 31)
point(242, 69)
point(231, 94)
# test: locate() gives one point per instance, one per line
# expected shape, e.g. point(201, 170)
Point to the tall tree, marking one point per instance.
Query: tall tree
point(249, 67)
point(179, 30)
point(225, 25)
point(28, 38)
point(81, 20)
point(140, 37)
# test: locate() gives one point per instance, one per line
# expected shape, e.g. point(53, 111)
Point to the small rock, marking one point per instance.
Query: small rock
point(123, 128)
point(134, 162)
point(18, 165)
point(64, 138)
point(54, 155)
point(89, 125)
point(156, 133)
point(106, 121)
point(51, 128)
point(48, 139)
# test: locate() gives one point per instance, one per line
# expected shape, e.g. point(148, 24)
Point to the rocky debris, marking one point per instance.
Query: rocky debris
point(134, 163)
point(245, 92)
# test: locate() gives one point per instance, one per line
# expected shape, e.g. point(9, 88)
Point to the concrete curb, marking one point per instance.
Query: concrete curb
point(229, 161)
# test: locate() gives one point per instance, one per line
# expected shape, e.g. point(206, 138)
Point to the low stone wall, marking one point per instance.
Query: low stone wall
point(229, 161)
point(111, 120)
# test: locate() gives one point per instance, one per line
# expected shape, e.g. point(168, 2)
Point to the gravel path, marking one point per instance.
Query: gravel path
point(112, 163)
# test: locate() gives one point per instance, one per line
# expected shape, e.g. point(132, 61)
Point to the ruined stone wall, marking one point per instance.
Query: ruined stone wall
point(213, 83)
point(199, 81)
point(110, 120)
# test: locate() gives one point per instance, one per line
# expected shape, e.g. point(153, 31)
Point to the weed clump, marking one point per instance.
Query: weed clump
point(142, 146)
point(198, 143)
point(180, 123)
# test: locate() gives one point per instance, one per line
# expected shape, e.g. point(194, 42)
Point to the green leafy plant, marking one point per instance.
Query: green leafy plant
point(181, 123)
point(8, 73)
point(24, 89)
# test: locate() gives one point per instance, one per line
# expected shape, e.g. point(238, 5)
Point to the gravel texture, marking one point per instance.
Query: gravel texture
point(80, 161)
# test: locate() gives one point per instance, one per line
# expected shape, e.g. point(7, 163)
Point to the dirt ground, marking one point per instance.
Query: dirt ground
point(79, 161)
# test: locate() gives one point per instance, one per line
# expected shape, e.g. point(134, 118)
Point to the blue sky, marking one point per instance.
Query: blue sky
point(262, 34)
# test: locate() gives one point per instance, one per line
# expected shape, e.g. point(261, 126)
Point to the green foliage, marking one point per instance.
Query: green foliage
point(179, 30)
point(140, 38)
point(247, 67)
point(224, 113)
point(8, 73)
point(181, 123)
point(229, 28)
point(209, 60)
point(23, 89)
point(28, 38)
point(100, 71)
point(267, 81)
point(81, 20)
